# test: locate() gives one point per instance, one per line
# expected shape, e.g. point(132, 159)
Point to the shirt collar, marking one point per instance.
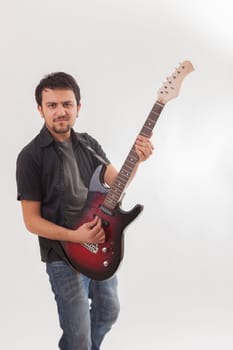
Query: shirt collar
point(46, 138)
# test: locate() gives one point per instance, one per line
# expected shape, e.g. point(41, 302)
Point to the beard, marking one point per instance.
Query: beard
point(61, 129)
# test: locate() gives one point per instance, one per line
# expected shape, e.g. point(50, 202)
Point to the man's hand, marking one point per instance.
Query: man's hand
point(90, 232)
point(143, 147)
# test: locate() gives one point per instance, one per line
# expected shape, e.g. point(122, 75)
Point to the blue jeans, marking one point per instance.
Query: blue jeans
point(87, 308)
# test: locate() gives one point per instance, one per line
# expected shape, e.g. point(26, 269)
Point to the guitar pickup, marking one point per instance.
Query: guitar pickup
point(105, 223)
point(106, 210)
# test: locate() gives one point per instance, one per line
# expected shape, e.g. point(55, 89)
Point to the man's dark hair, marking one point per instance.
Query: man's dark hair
point(57, 80)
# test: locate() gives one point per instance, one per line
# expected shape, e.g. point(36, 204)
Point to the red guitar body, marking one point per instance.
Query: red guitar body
point(100, 261)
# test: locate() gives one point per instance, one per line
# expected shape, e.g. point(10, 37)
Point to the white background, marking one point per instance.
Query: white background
point(175, 283)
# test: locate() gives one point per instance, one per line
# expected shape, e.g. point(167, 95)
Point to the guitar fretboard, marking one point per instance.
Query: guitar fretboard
point(114, 195)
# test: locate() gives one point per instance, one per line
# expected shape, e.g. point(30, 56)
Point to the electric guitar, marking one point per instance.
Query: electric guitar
point(100, 261)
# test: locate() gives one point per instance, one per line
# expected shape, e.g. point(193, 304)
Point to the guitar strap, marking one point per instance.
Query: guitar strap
point(102, 160)
point(96, 155)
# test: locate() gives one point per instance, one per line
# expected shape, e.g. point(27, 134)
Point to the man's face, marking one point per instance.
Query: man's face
point(59, 110)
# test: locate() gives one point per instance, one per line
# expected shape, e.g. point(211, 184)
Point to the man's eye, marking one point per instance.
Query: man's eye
point(52, 105)
point(67, 104)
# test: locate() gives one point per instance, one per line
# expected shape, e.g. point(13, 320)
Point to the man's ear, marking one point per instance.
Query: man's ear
point(78, 109)
point(39, 108)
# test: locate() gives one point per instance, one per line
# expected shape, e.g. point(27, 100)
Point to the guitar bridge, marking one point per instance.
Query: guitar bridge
point(92, 247)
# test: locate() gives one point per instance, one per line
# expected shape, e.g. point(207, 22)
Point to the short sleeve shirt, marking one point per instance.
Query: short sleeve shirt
point(40, 177)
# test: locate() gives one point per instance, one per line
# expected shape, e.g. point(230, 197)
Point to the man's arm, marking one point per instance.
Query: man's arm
point(90, 232)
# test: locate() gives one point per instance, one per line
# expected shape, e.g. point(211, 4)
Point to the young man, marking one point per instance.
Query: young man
point(53, 175)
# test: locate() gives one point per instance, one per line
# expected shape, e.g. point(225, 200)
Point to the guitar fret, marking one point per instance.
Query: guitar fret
point(128, 169)
point(120, 183)
point(124, 171)
point(117, 186)
point(132, 159)
point(124, 174)
point(150, 123)
point(143, 134)
point(115, 189)
point(109, 206)
point(114, 196)
point(129, 163)
point(146, 131)
point(154, 112)
point(112, 202)
point(122, 178)
point(115, 192)
point(147, 127)
point(110, 199)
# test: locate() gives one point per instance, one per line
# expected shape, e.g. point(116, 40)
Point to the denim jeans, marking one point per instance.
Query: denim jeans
point(87, 308)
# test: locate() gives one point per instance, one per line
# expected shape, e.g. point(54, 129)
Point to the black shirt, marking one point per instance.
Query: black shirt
point(40, 177)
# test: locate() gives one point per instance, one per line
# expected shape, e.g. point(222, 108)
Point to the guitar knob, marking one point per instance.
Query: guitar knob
point(104, 249)
point(106, 263)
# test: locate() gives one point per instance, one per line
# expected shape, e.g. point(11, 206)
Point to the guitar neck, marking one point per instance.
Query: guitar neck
point(115, 193)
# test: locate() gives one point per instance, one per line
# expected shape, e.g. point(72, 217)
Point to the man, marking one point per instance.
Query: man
point(53, 175)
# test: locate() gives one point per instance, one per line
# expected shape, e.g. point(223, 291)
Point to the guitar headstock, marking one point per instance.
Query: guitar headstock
point(171, 87)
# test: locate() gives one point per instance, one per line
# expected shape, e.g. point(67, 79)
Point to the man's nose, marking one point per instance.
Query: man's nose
point(60, 110)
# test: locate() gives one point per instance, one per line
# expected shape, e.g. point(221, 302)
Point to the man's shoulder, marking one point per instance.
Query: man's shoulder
point(35, 145)
point(32, 152)
point(31, 147)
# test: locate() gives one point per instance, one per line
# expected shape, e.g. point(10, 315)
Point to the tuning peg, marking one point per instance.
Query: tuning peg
point(169, 80)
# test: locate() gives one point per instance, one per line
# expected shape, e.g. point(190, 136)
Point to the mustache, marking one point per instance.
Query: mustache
point(60, 118)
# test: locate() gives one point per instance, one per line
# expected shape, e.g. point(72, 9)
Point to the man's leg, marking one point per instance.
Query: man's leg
point(71, 293)
point(104, 309)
